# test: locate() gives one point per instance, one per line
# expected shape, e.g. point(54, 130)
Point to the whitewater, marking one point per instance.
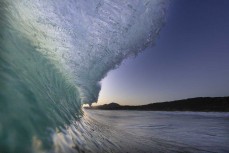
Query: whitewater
point(53, 55)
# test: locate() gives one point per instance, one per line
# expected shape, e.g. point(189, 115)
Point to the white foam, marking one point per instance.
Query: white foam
point(88, 38)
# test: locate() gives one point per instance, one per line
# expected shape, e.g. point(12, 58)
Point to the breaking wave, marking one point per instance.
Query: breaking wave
point(53, 54)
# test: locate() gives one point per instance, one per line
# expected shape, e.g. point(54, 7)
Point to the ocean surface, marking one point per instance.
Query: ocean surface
point(153, 131)
point(53, 55)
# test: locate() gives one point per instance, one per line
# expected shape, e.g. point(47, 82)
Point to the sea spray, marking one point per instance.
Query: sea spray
point(53, 55)
point(88, 38)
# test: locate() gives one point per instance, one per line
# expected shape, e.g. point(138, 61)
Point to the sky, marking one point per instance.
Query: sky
point(189, 59)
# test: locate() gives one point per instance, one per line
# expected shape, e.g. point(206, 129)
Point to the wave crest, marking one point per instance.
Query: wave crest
point(86, 39)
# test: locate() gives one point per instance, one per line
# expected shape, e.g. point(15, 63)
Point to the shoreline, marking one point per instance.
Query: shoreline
point(199, 104)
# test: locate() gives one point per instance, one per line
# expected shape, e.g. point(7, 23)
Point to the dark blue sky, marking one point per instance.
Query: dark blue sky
point(190, 58)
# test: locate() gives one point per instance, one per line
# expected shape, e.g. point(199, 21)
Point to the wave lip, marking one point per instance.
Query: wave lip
point(89, 38)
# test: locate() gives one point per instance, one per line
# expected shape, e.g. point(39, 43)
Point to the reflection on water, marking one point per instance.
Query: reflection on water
point(89, 135)
point(171, 131)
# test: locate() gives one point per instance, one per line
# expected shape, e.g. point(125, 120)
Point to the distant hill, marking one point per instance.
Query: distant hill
point(205, 104)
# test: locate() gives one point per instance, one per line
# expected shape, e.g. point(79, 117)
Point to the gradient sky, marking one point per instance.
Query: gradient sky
point(190, 58)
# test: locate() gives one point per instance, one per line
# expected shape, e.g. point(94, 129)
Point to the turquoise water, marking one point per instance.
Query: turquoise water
point(35, 96)
point(53, 54)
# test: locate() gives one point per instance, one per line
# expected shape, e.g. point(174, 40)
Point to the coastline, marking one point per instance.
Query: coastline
point(199, 104)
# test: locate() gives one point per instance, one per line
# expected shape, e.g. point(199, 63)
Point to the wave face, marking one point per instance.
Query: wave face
point(53, 55)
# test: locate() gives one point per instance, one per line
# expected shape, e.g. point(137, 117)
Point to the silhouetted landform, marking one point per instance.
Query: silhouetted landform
point(202, 104)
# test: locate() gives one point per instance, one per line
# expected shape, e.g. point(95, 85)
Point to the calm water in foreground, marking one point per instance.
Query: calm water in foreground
point(152, 131)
